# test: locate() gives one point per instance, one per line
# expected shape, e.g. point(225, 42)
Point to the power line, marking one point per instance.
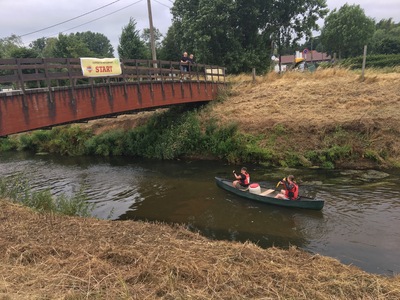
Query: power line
point(106, 15)
point(162, 3)
point(69, 19)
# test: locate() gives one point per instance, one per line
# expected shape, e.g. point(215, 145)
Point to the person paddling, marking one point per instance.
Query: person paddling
point(291, 190)
point(242, 179)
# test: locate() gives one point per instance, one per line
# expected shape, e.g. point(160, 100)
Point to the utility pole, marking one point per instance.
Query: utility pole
point(152, 42)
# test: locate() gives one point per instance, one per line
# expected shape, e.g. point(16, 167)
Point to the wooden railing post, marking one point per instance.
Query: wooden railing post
point(47, 79)
point(21, 81)
point(71, 82)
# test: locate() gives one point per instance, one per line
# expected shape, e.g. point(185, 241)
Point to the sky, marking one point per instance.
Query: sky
point(25, 17)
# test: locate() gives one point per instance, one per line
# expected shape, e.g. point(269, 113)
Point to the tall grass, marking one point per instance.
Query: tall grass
point(17, 189)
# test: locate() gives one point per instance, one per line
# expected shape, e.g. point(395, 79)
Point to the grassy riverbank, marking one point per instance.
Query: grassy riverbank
point(47, 256)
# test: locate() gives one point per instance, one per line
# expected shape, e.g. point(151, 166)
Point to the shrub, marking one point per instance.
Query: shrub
point(111, 143)
point(7, 144)
point(64, 140)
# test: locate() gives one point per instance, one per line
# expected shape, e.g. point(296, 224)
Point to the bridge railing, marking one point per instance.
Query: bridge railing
point(32, 73)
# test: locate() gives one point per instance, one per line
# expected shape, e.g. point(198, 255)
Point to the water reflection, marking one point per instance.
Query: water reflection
point(358, 225)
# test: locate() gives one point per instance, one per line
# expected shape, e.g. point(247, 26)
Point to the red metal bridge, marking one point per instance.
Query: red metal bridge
point(41, 93)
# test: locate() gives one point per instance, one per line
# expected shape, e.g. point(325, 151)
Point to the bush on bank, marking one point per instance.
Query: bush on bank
point(178, 133)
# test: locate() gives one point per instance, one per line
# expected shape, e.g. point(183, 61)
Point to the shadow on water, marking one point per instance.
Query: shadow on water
point(358, 225)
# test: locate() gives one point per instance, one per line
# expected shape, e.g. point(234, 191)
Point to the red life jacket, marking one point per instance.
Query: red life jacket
point(292, 193)
point(247, 180)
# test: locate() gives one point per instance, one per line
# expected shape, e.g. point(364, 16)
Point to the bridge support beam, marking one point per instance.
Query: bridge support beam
point(33, 109)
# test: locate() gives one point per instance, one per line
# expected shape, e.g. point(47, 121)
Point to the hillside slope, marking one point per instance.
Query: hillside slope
point(322, 109)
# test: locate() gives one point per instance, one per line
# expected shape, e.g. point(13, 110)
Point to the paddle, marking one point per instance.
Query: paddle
point(280, 182)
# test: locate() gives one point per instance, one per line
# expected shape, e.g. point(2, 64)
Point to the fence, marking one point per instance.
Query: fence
point(22, 74)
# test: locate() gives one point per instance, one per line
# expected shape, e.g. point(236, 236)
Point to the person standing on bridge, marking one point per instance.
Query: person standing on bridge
point(184, 64)
point(191, 63)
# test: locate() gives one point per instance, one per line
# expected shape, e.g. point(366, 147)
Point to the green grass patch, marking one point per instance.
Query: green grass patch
point(17, 189)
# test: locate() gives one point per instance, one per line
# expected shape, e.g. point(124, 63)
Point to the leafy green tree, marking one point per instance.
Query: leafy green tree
point(130, 44)
point(44, 46)
point(312, 43)
point(238, 33)
point(170, 47)
point(71, 46)
point(347, 30)
point(291, 21)
point(145, 36)
point(9, 44)
point(386, 24)
point(48, 51)
point(78, 44)
point(386, 39)
point(208, 29)
point(24, 52)
point(39, 44)
point(98, 43)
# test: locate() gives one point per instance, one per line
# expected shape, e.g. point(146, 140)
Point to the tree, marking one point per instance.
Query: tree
point(71, 46)
point(291, 21)
point(346, 31)
point(130, 44)
point(170, 47)
point(312, 43)
point(9, 44)
point(39, 44)
point(74, 45)
point(145, 36)
point(210, 30)
point(98, 43)
point(386, 39)
point(24, 52)
point(238, 33)
point(44, 46)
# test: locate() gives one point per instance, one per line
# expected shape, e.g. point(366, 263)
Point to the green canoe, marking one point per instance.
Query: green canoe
point(267, 196)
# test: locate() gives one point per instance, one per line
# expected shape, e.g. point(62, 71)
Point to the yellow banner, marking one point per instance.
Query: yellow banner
point(98, 67)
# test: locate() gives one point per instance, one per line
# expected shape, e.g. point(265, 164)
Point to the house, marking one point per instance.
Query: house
point(311, 57)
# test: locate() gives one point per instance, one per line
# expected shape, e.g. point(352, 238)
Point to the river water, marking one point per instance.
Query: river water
point(358, 225)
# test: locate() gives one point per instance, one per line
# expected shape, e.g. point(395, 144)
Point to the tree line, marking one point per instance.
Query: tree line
point(238, 34)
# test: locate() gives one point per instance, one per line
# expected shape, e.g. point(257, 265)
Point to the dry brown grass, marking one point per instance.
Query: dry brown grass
point(123, 122)
point(311, 104)
point(319, 99)
point(75, 258)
